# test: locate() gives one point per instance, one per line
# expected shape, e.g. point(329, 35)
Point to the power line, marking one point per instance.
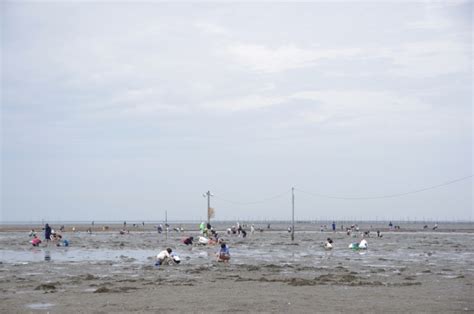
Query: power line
point(346, 197)
point(388, 195)
point(254, 202)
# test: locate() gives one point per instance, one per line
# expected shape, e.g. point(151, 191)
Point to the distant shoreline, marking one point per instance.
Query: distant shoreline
point(221, 226)
point(256, 221)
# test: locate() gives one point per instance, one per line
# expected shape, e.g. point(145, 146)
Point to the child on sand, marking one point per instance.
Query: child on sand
point(163, 257)
point(188, 241)
point(35, 241)
point(224, 254)
point(328, 244)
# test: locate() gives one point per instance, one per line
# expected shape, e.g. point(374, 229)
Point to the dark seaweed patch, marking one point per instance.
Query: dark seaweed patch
point(46, 287)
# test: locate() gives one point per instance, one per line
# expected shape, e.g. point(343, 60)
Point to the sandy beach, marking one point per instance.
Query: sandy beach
point(103, 272)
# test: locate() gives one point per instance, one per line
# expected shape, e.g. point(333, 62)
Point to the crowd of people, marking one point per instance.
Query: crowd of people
point(50, 237)
point(208, 236)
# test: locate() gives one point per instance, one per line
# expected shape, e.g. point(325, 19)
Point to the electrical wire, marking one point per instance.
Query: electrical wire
point(346, 197)
point(254, 202)
point(388, 195)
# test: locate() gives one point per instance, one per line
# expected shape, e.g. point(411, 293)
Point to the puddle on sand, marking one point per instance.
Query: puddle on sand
point(24, 257)
point(90, 290)
point(39, 306)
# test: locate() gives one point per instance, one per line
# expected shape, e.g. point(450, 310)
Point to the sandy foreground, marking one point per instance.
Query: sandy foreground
point(107, 272)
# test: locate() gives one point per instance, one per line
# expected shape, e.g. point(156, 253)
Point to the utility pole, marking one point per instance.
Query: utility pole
point(208, 195)
point(208, 207)
point(293, 214)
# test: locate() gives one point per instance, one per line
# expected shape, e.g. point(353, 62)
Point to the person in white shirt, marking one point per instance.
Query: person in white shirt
point(163, 257)
point(328, 244)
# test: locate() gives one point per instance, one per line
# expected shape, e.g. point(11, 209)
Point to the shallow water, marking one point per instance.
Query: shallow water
point(39, 306)
point(394, 249)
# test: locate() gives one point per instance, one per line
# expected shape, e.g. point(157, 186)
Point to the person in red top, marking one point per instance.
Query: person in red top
point(35, 241)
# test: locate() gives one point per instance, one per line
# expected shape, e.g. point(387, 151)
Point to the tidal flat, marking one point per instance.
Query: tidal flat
point(411, 270)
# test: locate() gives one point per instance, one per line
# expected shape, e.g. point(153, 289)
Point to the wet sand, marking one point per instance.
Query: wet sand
point(103, 272)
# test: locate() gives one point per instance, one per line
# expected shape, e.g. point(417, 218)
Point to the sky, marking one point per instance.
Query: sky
point(130, 111)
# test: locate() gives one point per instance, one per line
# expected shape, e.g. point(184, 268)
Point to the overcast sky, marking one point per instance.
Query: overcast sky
point(120, 111)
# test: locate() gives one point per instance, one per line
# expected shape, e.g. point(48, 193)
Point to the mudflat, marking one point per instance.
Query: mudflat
point(103, 272)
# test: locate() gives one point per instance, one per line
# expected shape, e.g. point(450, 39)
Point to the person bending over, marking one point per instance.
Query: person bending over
point(163, 257)
point(224, 254)
point(188, 241)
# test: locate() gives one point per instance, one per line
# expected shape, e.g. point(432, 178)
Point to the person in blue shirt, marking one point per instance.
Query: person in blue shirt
point(224, 254)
